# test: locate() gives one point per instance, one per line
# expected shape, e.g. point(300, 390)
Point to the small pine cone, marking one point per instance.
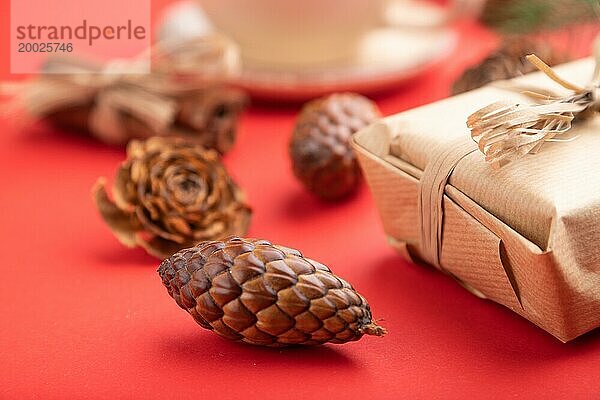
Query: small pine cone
point(253, 291)
point(505, 63)
point(320, 149)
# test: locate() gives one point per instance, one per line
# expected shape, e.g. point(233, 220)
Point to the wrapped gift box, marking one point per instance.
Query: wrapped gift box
point(526, 235)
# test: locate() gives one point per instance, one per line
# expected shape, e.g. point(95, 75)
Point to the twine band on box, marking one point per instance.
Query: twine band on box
point(503, 132)
point(431, 195)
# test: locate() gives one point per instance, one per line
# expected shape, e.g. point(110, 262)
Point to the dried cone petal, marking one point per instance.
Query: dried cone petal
point(322, 157)
point(210, 117)
point(259, 293)
point(525, 16)
point(171, 194)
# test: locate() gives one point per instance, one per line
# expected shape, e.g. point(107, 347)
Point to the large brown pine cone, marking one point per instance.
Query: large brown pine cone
point(171, 194)
point(252, 291)
point(320, 149)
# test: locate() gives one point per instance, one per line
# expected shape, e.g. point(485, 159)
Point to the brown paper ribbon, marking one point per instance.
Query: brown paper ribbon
point(121, 86)
point(505, 132)
point(443, 161)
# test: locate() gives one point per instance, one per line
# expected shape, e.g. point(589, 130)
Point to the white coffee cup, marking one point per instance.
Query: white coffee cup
point(294, 32)
point(305, 33)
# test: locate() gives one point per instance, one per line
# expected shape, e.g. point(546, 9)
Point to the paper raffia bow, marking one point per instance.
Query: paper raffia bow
point(505, 131)
point(125, 86)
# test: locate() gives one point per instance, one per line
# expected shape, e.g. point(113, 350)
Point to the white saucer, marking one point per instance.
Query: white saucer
point(385, 58)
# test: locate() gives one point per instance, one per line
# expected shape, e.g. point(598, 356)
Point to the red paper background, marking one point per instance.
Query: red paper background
point(83, 317)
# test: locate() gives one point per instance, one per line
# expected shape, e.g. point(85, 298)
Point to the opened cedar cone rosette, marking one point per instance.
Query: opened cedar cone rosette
point(171, 194)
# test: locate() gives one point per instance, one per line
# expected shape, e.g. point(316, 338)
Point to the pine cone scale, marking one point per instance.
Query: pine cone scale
point(224, 289)
point(252, 291)
point(208, 309)
point(238, 317)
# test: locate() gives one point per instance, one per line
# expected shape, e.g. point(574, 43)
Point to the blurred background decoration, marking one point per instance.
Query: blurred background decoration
point(187, 94)
point(527, 16)
point(508, 61)
point(557, 31)
point(301, 50)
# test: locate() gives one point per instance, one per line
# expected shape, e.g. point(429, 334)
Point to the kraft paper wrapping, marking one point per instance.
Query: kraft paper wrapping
point(526, 235)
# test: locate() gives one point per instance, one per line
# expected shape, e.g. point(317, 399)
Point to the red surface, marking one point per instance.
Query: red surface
point(83, 317)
